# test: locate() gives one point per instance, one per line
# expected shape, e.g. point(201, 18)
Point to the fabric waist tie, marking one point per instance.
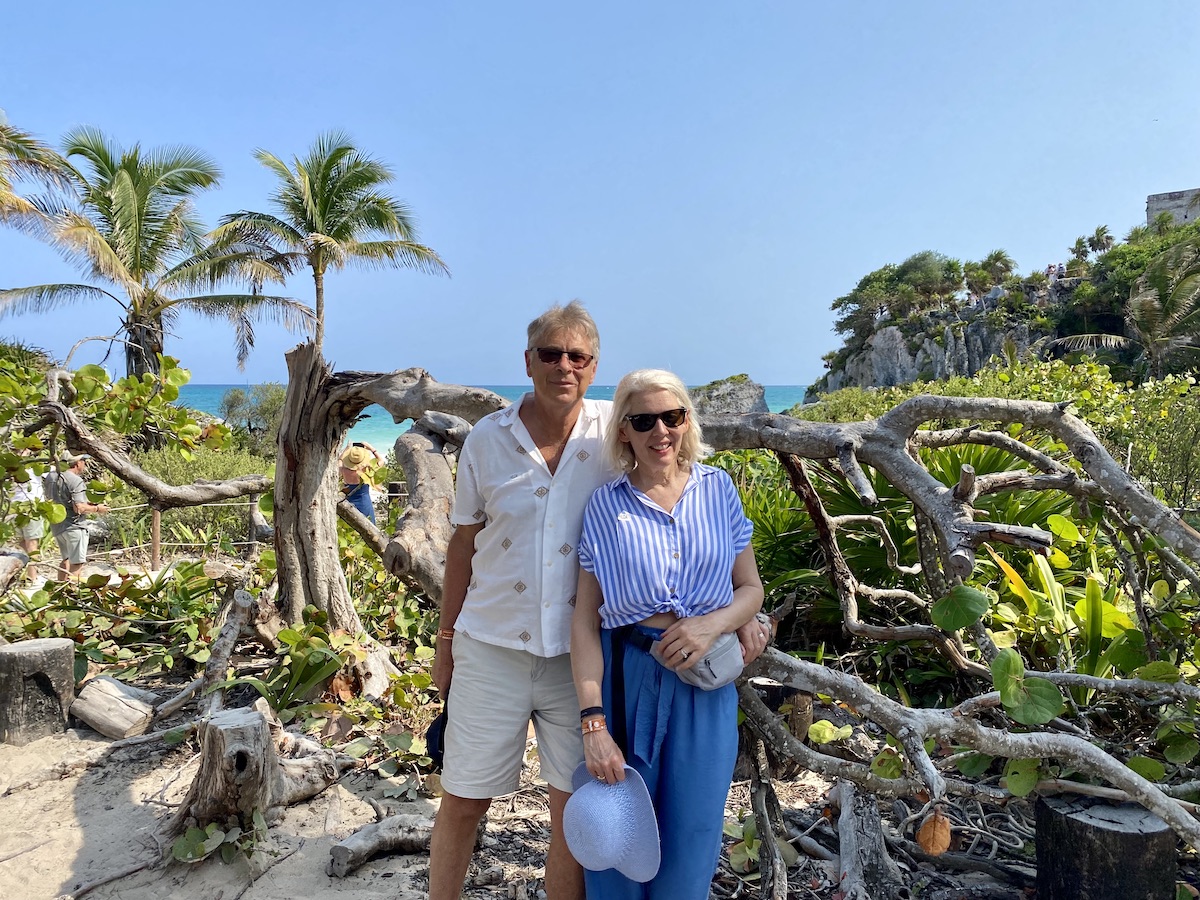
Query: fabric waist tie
point(622, 635)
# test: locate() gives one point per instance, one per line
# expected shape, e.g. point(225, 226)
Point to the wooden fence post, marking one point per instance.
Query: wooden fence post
point(252, 528)
point(155, 540)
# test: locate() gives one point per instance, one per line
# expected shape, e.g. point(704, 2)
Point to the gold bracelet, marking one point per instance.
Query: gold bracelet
point(447, 633)
point(597, 723)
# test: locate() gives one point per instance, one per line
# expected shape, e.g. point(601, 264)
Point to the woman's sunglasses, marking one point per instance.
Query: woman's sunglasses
point(551, 355)
point(672, 418)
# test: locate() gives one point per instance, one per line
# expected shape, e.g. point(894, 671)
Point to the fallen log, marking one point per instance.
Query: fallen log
point(37, 685)
point(405, 833)
point(113, 708)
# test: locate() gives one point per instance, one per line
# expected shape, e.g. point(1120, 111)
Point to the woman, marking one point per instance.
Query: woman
point(665, 556)
point(355, 461)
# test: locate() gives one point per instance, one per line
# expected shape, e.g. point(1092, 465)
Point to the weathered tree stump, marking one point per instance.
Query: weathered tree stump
point(1090, 849)
point(244, 769)
point(865, 870)
point(113, 708)
point(37, 685)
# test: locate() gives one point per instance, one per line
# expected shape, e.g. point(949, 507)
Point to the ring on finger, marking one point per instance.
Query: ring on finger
point(684, 654)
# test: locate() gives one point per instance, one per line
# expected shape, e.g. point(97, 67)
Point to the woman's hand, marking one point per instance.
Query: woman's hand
point(604, 758)
point(685, 642)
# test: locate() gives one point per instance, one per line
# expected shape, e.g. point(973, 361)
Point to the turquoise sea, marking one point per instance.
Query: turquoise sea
point(378, 429)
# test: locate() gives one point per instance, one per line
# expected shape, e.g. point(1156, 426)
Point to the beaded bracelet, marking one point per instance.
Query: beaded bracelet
point(591, 711)
point(592, 725)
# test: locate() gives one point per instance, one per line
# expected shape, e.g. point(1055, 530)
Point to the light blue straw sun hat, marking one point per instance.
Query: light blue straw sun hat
point(612, 826)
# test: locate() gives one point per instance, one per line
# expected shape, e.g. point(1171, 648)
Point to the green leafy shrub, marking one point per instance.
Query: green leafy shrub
point(140, 626)
point(225, 523)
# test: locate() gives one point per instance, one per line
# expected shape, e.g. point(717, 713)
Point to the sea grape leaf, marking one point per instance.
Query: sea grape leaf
point(1150, 769)
point(1021, 776)
point(1038, 701)
point(963, 606)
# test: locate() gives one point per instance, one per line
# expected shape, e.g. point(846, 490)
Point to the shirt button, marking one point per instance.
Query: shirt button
point(676, 555)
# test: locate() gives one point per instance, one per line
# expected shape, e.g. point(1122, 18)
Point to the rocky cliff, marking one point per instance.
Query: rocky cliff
point(736, 394)
point(943, 344)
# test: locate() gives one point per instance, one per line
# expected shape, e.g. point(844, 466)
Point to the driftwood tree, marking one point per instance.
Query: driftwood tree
point(321, 407)
point(949, 538)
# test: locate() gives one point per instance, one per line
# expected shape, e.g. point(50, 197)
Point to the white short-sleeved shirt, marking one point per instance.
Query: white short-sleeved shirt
point(526, 563)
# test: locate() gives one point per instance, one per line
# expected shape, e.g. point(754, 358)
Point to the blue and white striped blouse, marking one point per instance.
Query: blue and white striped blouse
point(649, 561)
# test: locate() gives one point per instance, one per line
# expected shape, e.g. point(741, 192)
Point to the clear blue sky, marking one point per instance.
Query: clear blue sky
point(707, 177)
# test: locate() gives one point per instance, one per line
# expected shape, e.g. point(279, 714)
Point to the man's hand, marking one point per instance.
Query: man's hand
point(443, 667)
point(754, 637)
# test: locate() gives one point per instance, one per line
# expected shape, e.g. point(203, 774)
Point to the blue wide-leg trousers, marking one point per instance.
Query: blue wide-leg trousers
point(683, 742)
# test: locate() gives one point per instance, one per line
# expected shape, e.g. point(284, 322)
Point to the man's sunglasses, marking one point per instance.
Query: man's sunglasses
point(672, 418)
point(551, 355)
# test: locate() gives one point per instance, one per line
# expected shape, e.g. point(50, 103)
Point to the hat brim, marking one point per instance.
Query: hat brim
point(644, 856)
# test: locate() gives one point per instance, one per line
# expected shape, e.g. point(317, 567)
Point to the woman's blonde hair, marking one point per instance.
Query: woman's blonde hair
point(692, 448)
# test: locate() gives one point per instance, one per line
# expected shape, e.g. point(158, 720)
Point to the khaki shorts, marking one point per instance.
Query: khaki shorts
point(494, 693)
point(32, 531)
point(73, 544)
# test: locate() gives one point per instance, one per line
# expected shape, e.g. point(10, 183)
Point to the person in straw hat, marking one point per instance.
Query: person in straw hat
point(355, 462)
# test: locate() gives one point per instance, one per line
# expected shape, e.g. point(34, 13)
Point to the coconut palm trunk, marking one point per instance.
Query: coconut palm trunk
point(145, 346)
point(319, 292)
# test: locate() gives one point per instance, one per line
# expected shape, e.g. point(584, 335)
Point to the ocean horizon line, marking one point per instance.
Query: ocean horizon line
point(376, 426)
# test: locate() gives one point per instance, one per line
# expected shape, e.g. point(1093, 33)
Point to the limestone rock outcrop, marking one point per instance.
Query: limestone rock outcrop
point(736, 394)
point(943, 344)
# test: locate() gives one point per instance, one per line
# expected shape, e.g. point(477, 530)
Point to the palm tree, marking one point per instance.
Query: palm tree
point(1162, 316)
point(130, 225)
point(1164, 309)
point(976, 279)
point(1101, 240)
point(998, 265)
point(332, 211)
point(1137, 234)
point(24, 156)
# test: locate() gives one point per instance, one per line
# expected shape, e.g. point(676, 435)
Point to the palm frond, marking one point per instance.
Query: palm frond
point(286, 311)
point(41, 298)
point(1075, 342)
point(82, 242)
point(404, 254)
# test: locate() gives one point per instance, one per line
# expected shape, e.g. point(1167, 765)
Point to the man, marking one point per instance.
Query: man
point(69, 490)
point(524, 477)
point(30, 534)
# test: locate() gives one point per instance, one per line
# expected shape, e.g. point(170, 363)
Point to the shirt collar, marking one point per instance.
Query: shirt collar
point(699, 470)
point(588, 412)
